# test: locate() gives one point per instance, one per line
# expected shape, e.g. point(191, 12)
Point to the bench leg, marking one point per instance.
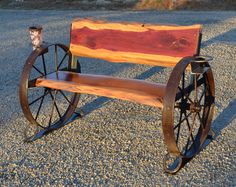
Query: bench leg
point(187, 113)
point(46, 109)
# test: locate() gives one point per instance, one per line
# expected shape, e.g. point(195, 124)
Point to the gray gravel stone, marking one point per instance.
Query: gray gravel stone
point(116, 143)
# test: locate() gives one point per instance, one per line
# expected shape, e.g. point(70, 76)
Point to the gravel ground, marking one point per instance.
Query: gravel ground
point(116, 143)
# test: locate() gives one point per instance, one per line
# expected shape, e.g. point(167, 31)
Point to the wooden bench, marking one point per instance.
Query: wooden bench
point(186, 101)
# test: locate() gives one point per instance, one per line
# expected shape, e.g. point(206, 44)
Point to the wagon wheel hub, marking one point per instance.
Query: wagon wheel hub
point(195, 107)
point(185, 106)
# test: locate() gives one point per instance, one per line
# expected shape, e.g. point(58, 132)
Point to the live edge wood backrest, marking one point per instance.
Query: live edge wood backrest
point(158, 45)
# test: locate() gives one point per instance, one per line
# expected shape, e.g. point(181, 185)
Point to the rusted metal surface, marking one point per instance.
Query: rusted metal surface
point(198, 65)
point(194, 108)
point(27, 85)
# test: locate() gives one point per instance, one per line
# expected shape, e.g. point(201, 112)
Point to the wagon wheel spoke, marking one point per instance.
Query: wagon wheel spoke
point(55, 103)
point(185, 94)
point(193, 124)
point(52, 108)
point(186, 146)
point(31, 83)
point(40, 72)
point(40, 105)
point(44, 65)
point(203, 94)
point(58, 63)
point(196, 87)
point(56, 58)
point(62, 60)
point(189, 127)
point(179, 126)
point(207, 86)
point(183, 80)
point(180, 122)
point(206, 115)
point(201, 121)
point(34, 101)
point(62, 93)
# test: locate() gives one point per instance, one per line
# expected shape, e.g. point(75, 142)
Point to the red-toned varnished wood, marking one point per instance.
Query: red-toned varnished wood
point(139, 91)
point(133, 42)
point(178, 43)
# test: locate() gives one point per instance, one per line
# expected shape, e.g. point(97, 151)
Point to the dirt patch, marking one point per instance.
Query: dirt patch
point(186, 5)
point(69, 4)
point(206, 5)
point(119, 4)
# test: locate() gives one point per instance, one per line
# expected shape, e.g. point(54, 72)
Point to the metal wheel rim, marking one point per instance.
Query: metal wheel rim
point(23, 89)
point(168, 110)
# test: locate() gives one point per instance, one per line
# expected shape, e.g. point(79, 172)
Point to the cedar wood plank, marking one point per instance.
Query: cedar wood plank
point(139, 91)
point(134, 42)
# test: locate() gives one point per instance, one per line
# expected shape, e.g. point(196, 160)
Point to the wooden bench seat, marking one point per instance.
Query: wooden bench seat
point(139, 91)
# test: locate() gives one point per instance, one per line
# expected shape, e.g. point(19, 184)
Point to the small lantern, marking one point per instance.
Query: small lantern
point(36, 36)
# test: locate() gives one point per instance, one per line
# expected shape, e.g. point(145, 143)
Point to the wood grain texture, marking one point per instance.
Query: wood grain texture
point(178, 43)
point(126, 26)
point(139, 91)
point(117, 57)
point(133, 42)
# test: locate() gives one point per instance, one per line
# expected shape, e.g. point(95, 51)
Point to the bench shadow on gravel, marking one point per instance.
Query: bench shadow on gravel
point(226, 37)
point(224, 118)
point(219, 124)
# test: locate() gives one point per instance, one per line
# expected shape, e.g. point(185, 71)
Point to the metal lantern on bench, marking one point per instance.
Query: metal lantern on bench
point(36, 36)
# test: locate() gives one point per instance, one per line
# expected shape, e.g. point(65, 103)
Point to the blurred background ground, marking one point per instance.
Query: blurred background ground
point(120, 4)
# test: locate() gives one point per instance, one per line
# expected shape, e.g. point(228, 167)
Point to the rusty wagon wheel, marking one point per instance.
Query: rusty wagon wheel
point(46, 109)
point(187, 112)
